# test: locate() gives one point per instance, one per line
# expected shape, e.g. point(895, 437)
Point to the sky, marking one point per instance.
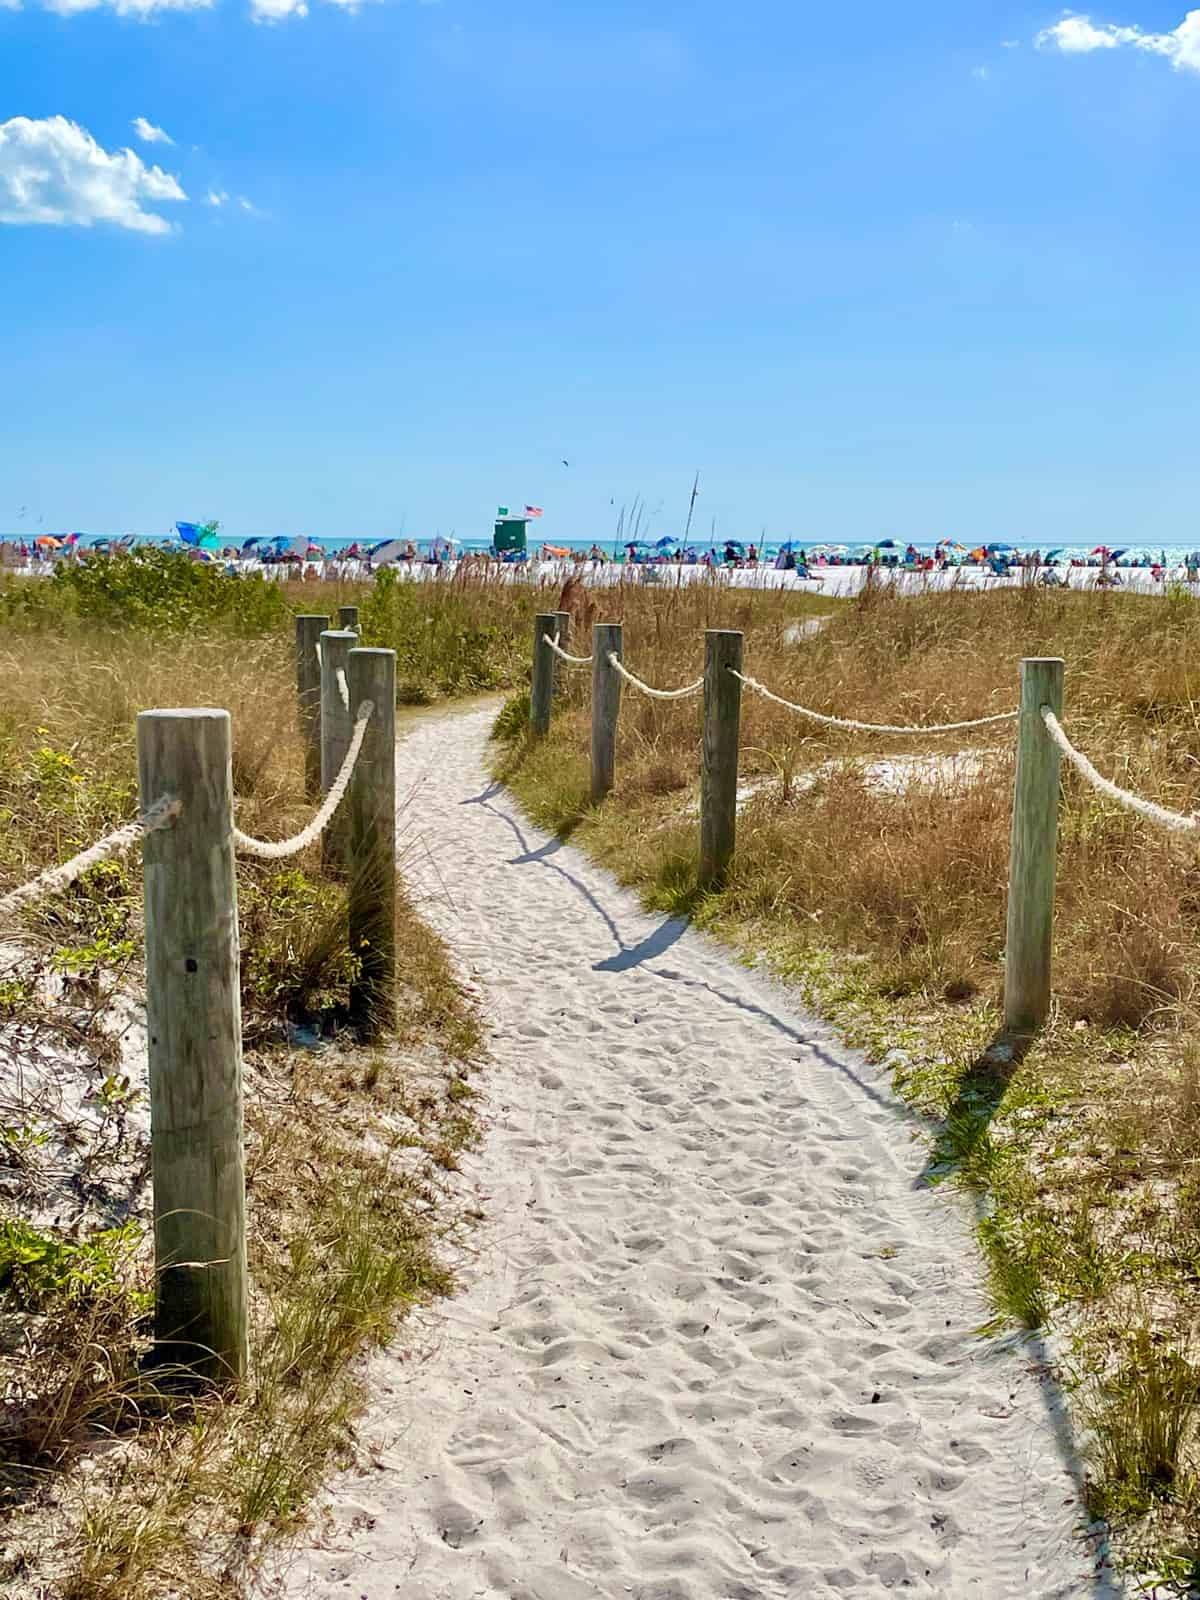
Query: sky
point(349, 270)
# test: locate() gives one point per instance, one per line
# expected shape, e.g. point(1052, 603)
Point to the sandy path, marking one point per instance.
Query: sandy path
point(717, 1344)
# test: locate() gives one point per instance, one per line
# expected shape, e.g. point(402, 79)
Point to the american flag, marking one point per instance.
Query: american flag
point(533, 511)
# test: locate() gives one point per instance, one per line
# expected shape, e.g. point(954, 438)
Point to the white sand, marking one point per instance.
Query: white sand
point(717, 1343)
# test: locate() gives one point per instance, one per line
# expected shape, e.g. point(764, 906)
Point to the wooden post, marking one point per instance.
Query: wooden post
point(562, 621)
point(373, 846)
point(719, 761)
point(308, 690)
point(348, 618)
point(194, 1042)
point(541, 688)
point(606, 705)
point(1034, 851)
point(336, 727)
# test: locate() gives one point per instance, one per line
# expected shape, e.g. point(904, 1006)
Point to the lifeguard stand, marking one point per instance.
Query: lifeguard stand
point(508, 537)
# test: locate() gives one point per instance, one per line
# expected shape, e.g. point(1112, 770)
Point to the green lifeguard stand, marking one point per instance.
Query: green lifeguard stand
point(508, 536)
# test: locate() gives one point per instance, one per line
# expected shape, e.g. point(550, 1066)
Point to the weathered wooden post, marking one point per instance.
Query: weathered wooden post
point(563, 629)
point(348, 618)
point(606, 705)
point(541, 688)
point(308, 690)
point(336, 728)
point(719, 759)
point(1034, 851)
point(372, 846)
point(194, 1042)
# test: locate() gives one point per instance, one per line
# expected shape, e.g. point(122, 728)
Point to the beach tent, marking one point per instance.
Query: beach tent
point(389, 550)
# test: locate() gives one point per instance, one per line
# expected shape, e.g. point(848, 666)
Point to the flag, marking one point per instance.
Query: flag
point(533, 511)
point(501, 511)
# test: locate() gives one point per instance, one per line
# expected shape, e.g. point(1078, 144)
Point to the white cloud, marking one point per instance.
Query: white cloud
point(140, 10)
point(52, 171)
point(277, 10)
point(149, 134)
point(216, 197)
point(1079, 35)
point(980, 72)
point(246, 205)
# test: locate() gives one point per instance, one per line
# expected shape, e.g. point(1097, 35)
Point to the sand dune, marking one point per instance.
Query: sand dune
point(717, 1342)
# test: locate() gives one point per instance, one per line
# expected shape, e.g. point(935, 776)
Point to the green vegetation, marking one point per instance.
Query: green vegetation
point(459, 636)
point(159, 591)
point(880, 891)
point(347, 1152)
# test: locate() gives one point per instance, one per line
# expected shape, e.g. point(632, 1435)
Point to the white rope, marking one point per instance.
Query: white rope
point(272, 850)
point(55, 878)
point(1166, 819)
point(342, 688)
point(317, 652)
point(869, 727)
point(575, 661)
point(615, 661)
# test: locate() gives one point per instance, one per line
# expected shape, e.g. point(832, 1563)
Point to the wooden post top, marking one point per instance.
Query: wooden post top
point(184, 713)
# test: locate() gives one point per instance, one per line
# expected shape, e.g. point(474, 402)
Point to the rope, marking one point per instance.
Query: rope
point(615, 662)
point(869, 727)
point(55, 878)
point(575, 661)
point(342, 688)
point(1166, 819)
point(272, 850)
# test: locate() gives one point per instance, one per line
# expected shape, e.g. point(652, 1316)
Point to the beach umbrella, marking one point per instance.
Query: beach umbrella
point(1001, 550)
point(314, 550)
point(887, 544)
point(666, 543)
point(49, 542)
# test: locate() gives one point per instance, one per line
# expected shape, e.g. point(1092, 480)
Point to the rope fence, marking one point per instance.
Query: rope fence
point(871, 727)
point(1041, 743)
point(280, 850)
point(1176, 821)
point(552, 643)
point(193, 974)
point(62, 876)
point(635, 682)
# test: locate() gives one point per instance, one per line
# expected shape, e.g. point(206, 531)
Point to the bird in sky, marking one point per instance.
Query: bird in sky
point(566, 463)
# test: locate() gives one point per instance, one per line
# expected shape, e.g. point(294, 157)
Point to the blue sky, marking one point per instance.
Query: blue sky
point(918, 271)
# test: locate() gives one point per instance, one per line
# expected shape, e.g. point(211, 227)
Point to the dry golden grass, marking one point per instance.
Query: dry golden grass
point(348, 1151)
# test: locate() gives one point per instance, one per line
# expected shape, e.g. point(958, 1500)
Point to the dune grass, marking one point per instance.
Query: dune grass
point(112, 1485)
point(877, 883)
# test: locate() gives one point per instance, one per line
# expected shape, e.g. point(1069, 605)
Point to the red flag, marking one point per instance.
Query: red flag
point(533, 511)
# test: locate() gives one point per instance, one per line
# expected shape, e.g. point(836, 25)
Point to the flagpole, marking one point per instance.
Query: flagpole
point(691, 507)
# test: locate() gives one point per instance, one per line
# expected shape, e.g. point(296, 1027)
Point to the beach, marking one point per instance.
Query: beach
point(716, 1340)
